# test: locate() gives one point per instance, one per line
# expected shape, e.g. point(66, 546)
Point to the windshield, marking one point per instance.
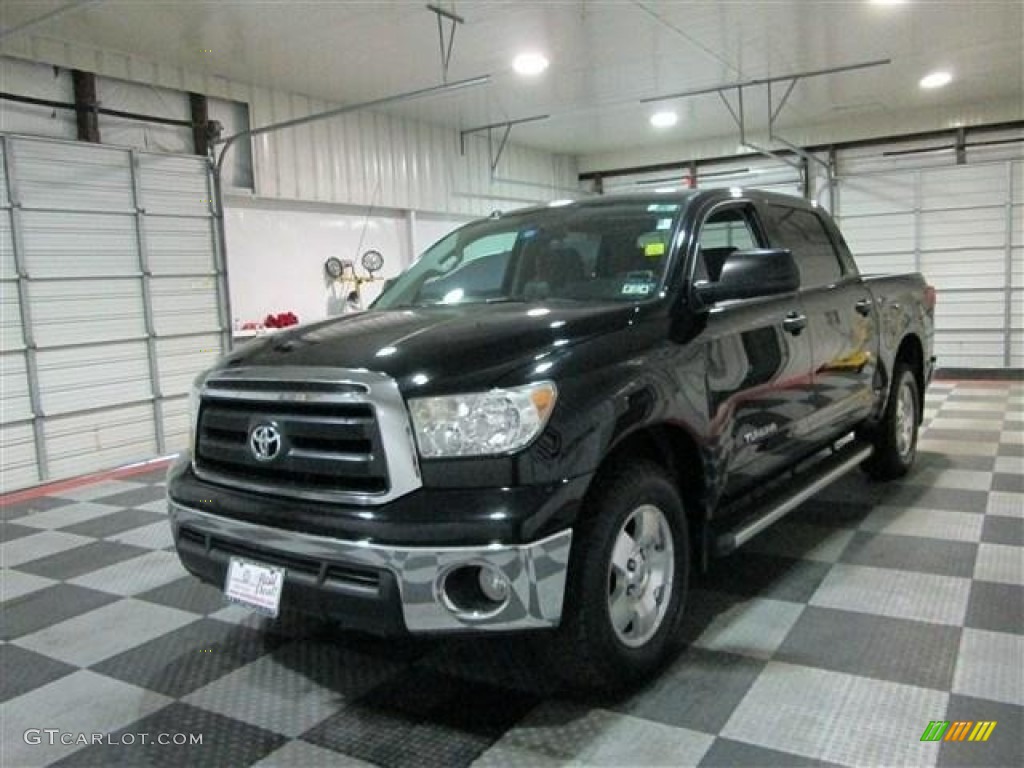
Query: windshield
point(603, 252)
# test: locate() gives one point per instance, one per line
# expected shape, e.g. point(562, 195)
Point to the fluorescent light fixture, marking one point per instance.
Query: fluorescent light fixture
point(888, 2)
point(936, 79)
point(664, 119)
point(530, 64)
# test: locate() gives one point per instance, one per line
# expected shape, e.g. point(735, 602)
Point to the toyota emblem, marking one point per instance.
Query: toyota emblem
point(265, 442)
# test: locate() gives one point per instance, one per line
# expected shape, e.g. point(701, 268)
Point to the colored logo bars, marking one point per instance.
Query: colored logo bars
point(958, 730)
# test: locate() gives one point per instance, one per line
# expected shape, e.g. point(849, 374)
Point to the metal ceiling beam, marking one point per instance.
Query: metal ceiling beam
point(507, 126)
point(407, 96)
point(446, 49)
point(766, 80)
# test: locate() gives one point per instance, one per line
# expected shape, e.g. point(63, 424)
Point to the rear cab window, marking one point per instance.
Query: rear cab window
point(804, 233)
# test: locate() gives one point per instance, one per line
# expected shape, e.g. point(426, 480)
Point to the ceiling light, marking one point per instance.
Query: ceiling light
point(530, 64)
point(664, 119)
point(888, 2)
point(936, 80)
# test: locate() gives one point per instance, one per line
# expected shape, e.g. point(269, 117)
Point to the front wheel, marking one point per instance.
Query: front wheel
point(627, 579)
point(895, 442)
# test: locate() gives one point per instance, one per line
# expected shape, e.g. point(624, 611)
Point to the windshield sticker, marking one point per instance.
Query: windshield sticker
point(654, 250)
point(636, 289)
point(662, 208)
point(664, 224)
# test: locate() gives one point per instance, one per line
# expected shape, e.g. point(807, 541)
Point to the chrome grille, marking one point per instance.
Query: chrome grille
point(340, 439)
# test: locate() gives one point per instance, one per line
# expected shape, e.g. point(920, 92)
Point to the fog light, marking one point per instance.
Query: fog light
point(493, 584)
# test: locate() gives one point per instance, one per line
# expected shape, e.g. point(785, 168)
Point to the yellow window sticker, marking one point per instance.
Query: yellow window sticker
point(654, 250)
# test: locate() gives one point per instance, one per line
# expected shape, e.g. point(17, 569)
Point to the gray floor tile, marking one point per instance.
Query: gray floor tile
point(755, 575)
point(1011, 465)
point(726, 753)
point(1003, 747)
point(139, 574)
point(117, 522)
point(100, 490)
point(897, 650)
point(714, 683)
point(1006, 504)
point(1008, 483)
point(28, 548)
point(837, 717)
point(86, 559)
point(1003, 530)
point(909, 495)
point(153, 536)
point(898, 594)
point(929, 523)
point(928, 459)
point(83, 702)
point(104, 632)
point(187, 656)
point(302, 754)
point(22, 671)
point(188, 594)
point(12, 531)
point(997, 607)
point(422, 717)
point(575, 735)
point(31, 506)
point(997, 562)
point(751, 628)
point(63, 516)
point(225, 742)
point(958, 447)
point(989, 666)
point(293, 688)
point(133, 497)
point(911, 553)
point(45, 607)
point(938, 430)
point(801, 541)
point(15, 584)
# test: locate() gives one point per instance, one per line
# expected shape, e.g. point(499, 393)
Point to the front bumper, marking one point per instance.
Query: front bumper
point(380, 588)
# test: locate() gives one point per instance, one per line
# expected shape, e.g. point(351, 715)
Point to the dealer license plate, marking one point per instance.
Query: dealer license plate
point(254, 585)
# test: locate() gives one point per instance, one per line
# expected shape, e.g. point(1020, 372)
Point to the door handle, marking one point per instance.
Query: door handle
point(794, 323)
point(863, 307)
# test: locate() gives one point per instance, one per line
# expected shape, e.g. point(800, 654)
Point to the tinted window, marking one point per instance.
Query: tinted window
point(805, 235)
point(588, 252)
point(723, 232)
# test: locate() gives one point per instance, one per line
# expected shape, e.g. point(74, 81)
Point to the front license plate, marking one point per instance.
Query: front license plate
point(254, 585)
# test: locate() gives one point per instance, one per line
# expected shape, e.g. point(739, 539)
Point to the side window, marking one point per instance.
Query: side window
point(724, 231)
point(805, 235)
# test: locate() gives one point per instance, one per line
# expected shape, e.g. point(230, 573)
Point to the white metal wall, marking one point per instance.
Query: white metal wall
point(112, 301)
point(961, 225)
point(365, 158)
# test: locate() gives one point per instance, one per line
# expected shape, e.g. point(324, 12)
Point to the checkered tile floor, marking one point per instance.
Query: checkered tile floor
point(834, 638)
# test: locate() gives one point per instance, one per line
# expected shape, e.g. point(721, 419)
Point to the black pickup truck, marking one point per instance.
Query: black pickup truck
point(551, 419)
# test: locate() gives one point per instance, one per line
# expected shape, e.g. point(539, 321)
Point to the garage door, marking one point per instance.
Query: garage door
point(112, 302)
point(961, 226)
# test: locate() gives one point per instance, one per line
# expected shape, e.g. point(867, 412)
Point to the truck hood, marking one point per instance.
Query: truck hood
point(438, 349)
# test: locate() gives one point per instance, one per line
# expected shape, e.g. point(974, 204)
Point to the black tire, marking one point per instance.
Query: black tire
point(895, 439)
point(589, 651)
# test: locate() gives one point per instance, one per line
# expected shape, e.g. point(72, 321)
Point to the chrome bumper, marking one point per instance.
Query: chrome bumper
point(536, 572)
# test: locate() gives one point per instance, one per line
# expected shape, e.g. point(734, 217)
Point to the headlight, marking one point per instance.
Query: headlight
point(483, 423)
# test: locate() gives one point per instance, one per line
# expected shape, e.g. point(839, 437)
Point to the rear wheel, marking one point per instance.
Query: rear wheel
point(627, 580)
point(895, 442)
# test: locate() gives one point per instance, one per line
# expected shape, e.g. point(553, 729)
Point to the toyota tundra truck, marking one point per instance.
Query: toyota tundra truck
point(551, 420)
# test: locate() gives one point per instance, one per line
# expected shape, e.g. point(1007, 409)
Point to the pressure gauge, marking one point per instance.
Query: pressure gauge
point(372, 261)
point(333, 267)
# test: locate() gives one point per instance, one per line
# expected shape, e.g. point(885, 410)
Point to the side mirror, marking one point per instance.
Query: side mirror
point(750, 274)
